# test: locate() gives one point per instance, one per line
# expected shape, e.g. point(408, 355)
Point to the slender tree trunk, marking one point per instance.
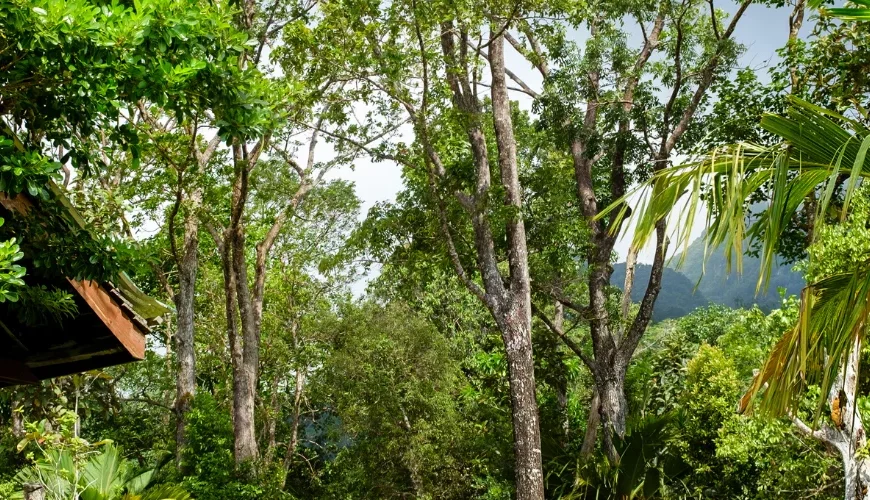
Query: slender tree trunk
point(235, 340)
point(592, 422)
point(795, 22)
point(628, 286)
point(185, 353)
point(562, 384)
point(517, 309)
point(294, 429)
point(527, 434)
point(612, 409)
point(607, 374)
point(272, 421)
point(246, 448)
point(857, 470)
point(849, 437)
point(413, 470)
point(17, 417)
point(244, 333)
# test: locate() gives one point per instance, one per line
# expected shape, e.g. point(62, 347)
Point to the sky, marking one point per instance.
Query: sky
point(762, 30)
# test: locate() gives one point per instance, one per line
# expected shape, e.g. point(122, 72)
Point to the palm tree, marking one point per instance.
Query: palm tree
point(102, 476)
point(821, 155)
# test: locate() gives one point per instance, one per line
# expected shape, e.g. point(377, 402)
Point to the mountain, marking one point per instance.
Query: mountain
point(716, 286)
point(677, 297)
point(732, 289)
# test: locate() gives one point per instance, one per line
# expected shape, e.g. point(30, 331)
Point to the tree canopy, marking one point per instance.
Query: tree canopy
point(481, 334)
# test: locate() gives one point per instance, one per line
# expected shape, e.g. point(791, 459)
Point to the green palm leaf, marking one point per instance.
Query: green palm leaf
point(818, 150)
point(103, 475)
point(833, 316)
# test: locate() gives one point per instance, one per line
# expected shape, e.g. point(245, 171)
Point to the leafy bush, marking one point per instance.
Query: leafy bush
point(210, 455)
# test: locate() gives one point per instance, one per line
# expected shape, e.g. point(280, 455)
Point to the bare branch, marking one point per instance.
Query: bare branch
point(216, 235)
point(706, 80)
point(148, 401)
point(541, 60)
point(205, 156)
point(525, 88)
point(824, 434)
point(713, 20)
point(576, 349)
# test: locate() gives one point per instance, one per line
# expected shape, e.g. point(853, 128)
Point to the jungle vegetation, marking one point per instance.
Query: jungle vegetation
point(481, 334)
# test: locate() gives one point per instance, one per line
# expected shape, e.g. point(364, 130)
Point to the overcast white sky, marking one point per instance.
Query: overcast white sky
point(762, 30)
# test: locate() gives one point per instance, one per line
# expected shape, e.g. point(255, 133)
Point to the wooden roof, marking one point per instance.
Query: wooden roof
point(107, 330)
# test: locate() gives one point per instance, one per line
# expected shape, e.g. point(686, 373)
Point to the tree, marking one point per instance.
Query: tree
point(623, 133)
point(71, 72)
point(821, 152)
point(449, 120)
point(282, 102)
point(182, 152)
point(413, 439)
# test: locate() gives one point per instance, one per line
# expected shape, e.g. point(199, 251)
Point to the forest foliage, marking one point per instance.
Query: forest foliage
point(473, 337)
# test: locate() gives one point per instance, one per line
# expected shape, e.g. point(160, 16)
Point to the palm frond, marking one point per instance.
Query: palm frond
point(103, 475)
point(819, 149)
point(834, 314)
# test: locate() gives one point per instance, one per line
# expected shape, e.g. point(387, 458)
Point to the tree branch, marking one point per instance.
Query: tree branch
point(525, 88)
point(576, 349)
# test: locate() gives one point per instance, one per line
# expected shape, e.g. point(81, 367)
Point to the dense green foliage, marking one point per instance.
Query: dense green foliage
point(316, 352)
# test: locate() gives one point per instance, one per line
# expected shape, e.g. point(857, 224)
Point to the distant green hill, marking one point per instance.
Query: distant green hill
point(677, 297)
point(717, 285)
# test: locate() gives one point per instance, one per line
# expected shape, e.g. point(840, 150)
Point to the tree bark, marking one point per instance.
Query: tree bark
point(562, 381)
point(294, 429)
point(272, 420)
point(517, 319)
point(33, 491)
point(185, 381)
point(235, 340)
point(507, 298)
point(246, 448)
point(612, 409)
point(17, 417)
point(857, 477)
point(628, 286)
point(592, 422)
point(527, 435)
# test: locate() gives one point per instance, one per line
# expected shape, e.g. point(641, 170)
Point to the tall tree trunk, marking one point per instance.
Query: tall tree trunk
point(235, 340)
point(245, 390)
point(562, 381)
point(527, 435)
point(17, 417)
point(413, 469)
point(612, 408)
point(244, 333)
point(185, 378)
point(272, 420)
point(628, 287)
point(857, 470)
point(517, 319)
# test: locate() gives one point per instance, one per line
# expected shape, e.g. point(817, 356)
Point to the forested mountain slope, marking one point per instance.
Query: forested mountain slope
point(679, 294)
point(677, 297)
